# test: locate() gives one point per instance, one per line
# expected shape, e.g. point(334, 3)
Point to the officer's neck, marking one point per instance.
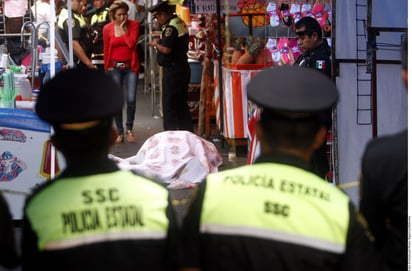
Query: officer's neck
point(316, 45)
point(302, 154)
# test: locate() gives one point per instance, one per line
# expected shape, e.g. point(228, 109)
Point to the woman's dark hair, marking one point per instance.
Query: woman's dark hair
point(311, 26)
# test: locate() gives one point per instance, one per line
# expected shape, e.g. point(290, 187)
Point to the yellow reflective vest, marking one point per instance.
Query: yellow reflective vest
point(275, 200)
point(272, 216)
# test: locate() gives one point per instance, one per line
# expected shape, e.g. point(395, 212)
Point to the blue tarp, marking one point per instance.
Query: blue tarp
point(22, 119)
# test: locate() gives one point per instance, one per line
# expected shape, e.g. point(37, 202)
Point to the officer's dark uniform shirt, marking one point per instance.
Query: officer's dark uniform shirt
point(319, 59)
point(80, 31)
point(170, 38)
point(8, 252)
point(97, 21)
point(95, 231)
point(384, 197)
point(280, 224)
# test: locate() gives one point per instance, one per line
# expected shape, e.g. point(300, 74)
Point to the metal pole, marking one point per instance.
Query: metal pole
point(220, 73)
point(146, 32)
point(70, 33)
point(52, 38)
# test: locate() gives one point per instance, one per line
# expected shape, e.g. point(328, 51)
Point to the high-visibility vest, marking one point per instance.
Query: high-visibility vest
point(276, 202)
point(64, 15)
point(101, 17)
point(97, 208)
point(179, 24)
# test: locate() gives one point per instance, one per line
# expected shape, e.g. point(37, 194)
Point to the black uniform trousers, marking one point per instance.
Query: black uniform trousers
point(175, 83)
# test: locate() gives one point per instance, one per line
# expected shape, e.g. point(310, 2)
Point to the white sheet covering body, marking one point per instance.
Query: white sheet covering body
point(178, 159)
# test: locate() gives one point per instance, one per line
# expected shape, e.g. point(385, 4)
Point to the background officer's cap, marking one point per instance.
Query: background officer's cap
point(162, 6)
point(77, 96)
point(292, 89)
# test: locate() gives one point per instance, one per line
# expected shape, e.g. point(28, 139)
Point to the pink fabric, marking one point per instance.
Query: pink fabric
point(177, 158)
point(294, 47)
point(319, 14)
point(285, 54)
point(15, 8)
point(130, 38)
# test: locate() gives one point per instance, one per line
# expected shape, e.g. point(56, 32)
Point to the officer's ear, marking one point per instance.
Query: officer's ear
point(405, 77)
point(314, 36)
point(320, 137)
point(260, 136)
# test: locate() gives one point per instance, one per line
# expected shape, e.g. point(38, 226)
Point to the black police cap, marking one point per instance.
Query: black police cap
point(292, 89)
point(162, 6)
point(79, 95)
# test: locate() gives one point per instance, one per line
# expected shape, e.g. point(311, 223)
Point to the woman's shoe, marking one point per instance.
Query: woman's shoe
point(119, 139)
point(130, 136)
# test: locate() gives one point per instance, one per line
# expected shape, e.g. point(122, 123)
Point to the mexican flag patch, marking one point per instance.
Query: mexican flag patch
point(320, 64)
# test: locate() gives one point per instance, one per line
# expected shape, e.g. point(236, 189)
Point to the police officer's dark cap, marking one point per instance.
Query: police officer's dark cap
point(77, 96)
point(292, 89)
point(162, 6)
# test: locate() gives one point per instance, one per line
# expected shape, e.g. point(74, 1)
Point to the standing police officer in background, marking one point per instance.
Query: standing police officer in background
point(316, 55)
point(316, 51)
point(93, 216)
point(277, 214)
point(172, 56)
point(98, 19)
point(82, 42)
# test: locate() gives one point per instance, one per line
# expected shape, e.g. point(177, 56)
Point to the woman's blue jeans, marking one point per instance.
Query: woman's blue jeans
point(127, 80)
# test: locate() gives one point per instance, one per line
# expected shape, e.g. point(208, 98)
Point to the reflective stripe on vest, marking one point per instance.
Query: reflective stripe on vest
point(277, 202)
point(98, 208)
point(99, 17)
point(180, 25)
point(64, 15)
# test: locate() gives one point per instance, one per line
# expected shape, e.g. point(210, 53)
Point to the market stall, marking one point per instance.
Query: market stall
point(256, 34)
point(27, 157)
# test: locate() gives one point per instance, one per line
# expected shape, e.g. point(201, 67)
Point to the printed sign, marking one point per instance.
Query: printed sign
point(209, 6)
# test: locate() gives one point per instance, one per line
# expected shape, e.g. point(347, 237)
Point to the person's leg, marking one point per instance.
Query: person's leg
point(183, 112)
point(140, 50)
point(117, 77)
point(169, 102)
point(131, 89)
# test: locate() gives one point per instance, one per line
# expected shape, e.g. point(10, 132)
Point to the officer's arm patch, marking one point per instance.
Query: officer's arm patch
point(320, 64)
point(168, 31)
point(73, 23)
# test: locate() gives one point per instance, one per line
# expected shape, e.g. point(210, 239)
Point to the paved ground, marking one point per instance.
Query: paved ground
point(147, 123)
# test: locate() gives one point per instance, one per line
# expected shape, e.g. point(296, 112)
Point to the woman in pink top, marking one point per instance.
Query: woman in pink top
point(121, 60)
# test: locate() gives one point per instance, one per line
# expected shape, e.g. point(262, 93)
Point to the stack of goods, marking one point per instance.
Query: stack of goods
point(271, 51)
point(249, 51)
point(8, 92)
point(287, 14)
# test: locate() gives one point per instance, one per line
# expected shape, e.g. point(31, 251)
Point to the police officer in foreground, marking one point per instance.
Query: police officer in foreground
point(276, 214)
point(384, 190)
point(93, 216)
point(82, 41)
point(172, 56)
